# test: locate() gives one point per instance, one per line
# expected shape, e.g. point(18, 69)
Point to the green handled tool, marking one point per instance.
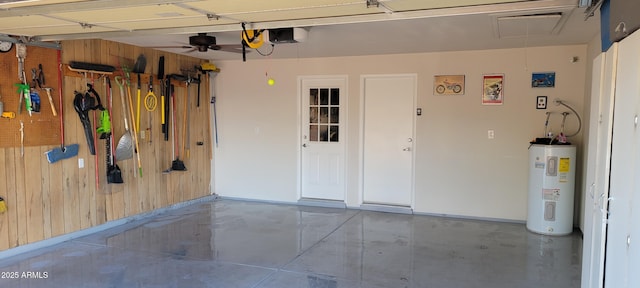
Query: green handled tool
point(24, 92)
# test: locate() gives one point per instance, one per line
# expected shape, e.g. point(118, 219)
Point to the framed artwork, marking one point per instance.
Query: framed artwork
point(448, 85)
point(543, 79)
point(493, 89)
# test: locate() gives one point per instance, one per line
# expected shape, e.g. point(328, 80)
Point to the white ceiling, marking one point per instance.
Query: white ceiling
point(336, 27)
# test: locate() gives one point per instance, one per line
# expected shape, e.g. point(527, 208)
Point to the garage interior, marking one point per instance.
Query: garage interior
point(392, 184)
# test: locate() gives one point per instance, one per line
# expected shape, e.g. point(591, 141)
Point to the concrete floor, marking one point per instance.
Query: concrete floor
point(230, 243)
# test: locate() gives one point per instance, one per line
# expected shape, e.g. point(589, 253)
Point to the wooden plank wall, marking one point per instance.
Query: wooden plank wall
point(50, 199)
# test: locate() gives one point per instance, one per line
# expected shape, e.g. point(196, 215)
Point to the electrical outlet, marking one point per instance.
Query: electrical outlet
point(491, 134)
point(541, 102)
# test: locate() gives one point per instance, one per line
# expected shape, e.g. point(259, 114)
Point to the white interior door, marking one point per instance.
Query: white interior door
point(634, 234)
point(598, 167)
point(389, 103)
point(621, 251)
point(323, 141)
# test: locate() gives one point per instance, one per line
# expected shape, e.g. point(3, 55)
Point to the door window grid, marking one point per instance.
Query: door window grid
point(324, 114)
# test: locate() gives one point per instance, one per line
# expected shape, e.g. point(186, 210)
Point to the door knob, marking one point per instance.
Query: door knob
point(406, 149)
point(409, 140)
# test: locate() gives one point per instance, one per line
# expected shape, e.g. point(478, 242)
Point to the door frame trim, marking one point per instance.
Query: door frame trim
point(340, 77)
point(363, 77)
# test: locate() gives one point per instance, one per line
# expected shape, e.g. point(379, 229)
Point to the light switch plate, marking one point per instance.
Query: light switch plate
point(541, 102)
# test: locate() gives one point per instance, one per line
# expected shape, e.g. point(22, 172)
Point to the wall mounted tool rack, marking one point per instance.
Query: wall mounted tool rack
point(95, 74)
point(41, 128)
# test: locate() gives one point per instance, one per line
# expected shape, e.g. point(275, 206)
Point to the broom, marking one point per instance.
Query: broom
point(63, 152)
point(176, 164)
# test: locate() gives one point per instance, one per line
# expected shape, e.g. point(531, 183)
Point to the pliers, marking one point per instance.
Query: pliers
point(37, 77)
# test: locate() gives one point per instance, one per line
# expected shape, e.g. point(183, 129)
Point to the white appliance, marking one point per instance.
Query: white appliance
point(552, 170)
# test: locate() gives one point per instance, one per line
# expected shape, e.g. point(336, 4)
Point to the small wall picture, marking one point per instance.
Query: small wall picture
point(448, 84)
point(492, 89)
point(543, 79)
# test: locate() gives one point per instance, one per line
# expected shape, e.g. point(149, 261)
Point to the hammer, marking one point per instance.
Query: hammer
point(53, 108)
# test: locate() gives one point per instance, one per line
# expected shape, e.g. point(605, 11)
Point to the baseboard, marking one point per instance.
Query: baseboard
point(465, 217)
point(322, 203)
point(256, 200)
point(386, 208)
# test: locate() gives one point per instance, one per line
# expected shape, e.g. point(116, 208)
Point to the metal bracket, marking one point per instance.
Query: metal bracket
point(30, 41)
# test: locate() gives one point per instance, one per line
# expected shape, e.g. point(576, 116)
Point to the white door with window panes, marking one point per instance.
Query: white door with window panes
point(323, 137)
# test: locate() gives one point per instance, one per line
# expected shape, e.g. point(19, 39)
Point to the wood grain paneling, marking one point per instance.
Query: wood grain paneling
point(50, 199)
point(4, 220)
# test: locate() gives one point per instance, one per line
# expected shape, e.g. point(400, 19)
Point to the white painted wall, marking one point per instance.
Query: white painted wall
point(458, 170)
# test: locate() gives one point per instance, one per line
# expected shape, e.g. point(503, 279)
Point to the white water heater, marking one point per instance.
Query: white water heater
point(552, 170)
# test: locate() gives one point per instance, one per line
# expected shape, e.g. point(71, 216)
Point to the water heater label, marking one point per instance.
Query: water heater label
point(563, 178)
point(551, 194)
point(563, 166)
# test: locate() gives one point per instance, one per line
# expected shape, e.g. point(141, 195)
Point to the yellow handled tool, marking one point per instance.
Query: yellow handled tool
point(3, 205)
point(53, 107)
point(138, 106)
point(150, 101)
point(135, 130)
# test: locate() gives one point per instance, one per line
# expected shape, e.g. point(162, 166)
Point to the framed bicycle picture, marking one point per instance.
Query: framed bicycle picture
point(448, 85)
point(543, 79)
